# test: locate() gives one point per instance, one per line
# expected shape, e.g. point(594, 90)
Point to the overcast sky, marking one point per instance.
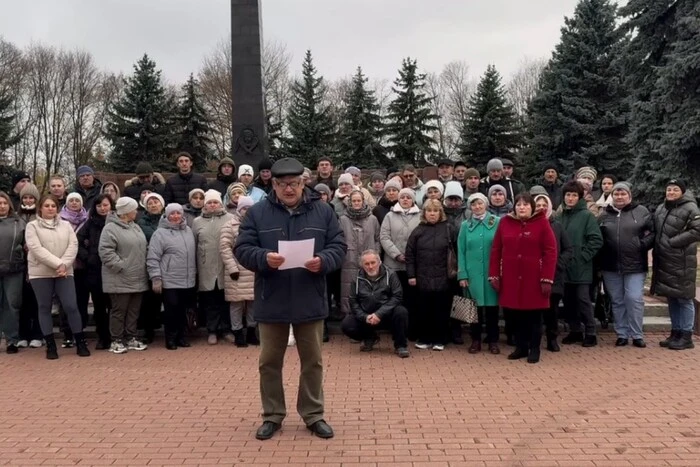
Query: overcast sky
point(342, 34)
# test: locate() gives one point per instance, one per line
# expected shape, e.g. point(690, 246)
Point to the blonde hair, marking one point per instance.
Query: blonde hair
point(432, 204)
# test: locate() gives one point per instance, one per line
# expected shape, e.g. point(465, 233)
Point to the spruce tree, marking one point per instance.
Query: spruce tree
point(193, 125)
point(579, 115)
point(491, 128)
point(309, 123)
point(140, 125)
point(361, 127)
point(410, 119)
point(8, 137)
point(274, 136)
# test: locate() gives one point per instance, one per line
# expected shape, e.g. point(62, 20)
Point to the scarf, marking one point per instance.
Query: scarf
point(76, 219)
point(31, 207)
point(361, 213)
point(480, 217)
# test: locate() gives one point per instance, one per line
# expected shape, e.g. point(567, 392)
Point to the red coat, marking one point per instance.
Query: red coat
point(523, 254)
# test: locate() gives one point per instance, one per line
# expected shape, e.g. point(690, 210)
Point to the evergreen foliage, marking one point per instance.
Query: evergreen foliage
point(193, 125)
point(8, 137)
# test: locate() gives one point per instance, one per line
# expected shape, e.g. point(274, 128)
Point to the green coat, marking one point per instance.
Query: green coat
point(473, 251)
point(582, 229)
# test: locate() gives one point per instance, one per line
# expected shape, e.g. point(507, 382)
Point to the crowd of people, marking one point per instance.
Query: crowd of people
point(173, 253)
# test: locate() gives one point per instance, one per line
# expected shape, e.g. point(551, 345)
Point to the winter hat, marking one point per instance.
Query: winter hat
point(497, 187)
point(212, 195)
point(245, 170)
point(144, 168)
point(626, 187)
point(587, 172)
point(18, 177)
point(194, 192)
point(323, 188)
point(226, 160)
point(471, 173)
point(548, 212)
point(116, 188)
point(307, 173)
point(454, 189)
point(376, 176)
point(677, 182)
point(345, 178)
point(30, 189)
point(586, 184)
point(538, 190)
point(391, 171)
point(265, 164)
point(74, 195)
point(125, 205)
point(153, 195)
point(173, 207)
point(234, 187)
point(392, 184)
point(84, 170)
point(409, 192)
point(480, 196)
point(352, 170)
point(551, 167)
point(244, 202)
point(507, 163)
point(434, 184)
point(494, 164)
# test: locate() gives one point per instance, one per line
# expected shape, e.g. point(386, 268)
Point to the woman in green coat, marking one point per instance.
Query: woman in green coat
point(473, 250)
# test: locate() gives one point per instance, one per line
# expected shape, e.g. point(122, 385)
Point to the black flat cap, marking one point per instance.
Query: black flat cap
point(508, 162)
point(446, 161)
point(287, 166)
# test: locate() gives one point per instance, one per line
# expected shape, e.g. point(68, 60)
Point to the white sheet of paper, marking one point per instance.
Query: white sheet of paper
point(296, 252)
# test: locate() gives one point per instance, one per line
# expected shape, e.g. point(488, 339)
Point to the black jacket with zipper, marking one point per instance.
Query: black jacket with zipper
point(379, 296)
point(628, 235)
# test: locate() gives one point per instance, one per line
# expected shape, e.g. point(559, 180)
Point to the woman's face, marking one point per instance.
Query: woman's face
point(621, 198)
point(378, 185)
point(28, 200)
point(498, 198)
point(673, 192)
point(434, 193)
point(541, 205)
point(154, 206)
point(606, 185)
point(324, 197)
point(478, 207)
point(175, 217)
point(48, 209)
point(234, 196)
point(110, 191)
point(345, 188)
point(405, 202)
point(523, 209)
point(103, 208)
point(356, 201)
point(197, 201)
point(4, 207)
point(74, 205)
point(432, 215)
point(213, 205)
point(571, 198)
point(392, 194)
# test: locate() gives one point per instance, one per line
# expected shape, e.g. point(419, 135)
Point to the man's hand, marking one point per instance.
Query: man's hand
point(464, 283)
point(274, 260)
point(412, 282)
point(235, 276)
point(61, 271)
point(373, 319)
point(157, 286)
point(313, 265)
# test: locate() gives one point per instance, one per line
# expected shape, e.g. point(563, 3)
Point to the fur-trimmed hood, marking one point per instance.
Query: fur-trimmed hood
point(157, 179)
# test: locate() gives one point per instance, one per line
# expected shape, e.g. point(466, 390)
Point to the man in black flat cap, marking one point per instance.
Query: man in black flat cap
point(291, 296)
point(511, 184)
point(445, 169)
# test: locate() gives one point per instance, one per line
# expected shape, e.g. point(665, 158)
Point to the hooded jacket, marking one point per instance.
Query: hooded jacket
point(243, 288)
point(50, 243)
point(12, 241)
point(222, 181)
point(210, 266)
point(628, 235)
point(379, 295)
point(582, 229)
point(172, 255)
point(134, 186)
point(426, 255)
point(122, 250)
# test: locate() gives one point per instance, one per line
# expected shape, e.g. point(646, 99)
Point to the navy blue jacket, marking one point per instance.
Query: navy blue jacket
point(291, 295)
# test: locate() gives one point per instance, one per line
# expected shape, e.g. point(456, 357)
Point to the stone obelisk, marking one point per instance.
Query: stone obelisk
point(249, 133)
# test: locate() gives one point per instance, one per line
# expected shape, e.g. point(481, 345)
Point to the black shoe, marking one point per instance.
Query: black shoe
point(321, 429)
point(685, 341)
point(102, 344)
point(51, 351)
point(11, 348)
point(182, 342)
point(572, 338)
point(553, 345)
point(326, 338)
point(252, 337)
point(621, 342)
point(402, 352)
point(534, 355)
point(81, 347)
point(518, 354)
point(675, 334)
point(639, 343)
point(368, 344)
point(239, 338)
point(590, 341)
point(170, 345)
point(267, 430)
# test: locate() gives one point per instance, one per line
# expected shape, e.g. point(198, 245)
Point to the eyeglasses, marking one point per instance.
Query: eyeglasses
point(293, 185)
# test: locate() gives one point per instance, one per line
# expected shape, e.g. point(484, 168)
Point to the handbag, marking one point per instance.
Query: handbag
point(464, 309)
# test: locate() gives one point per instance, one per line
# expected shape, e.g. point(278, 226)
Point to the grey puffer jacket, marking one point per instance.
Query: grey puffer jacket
point(12, 241)
point(677, 225)
point(628, 235)
point(393, 235)
point(122, 250)
point(361, 233)
point(172, 255)
point(210, 265)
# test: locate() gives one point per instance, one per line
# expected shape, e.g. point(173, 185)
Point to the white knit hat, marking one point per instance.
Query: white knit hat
point(454, 189)
point(212, 195)
point(345, 178)
point(480, 196)
point(244, 202)
point(155, 195)
point(434, 184)
point(173, 207)
point(74, 195)
point(125, 205)
point(245, 170)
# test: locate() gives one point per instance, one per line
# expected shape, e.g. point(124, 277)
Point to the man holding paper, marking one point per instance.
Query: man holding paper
point(294, 220)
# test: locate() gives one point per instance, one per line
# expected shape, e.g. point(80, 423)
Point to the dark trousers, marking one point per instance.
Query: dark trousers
point(213, 303)
point(149, 313)
point(579, 309)
point(396, 322)
point(410, 302)
point(82, 294)
point(527, 325)
point(333, 290)
point(29, 315)
point(551, 317)
point(488, 316)
point(176, 302)
point(509, 324)
point(86, 286)
point(64, 289)
point(434, 316)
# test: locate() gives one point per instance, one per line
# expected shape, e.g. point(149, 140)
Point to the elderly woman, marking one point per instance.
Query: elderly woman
point(376, 186)
point(233, 193)
point(194, 208)
point(387, 201)
point(628, 235)
point(521, 269)
point(426, 266)
point(473, 250)
point(210, 266)
point(112, 190)
point(30, 334)
point(499, 204)
point(151, 302)
point(345, 187)
point(356, 175)
point(239, 281)
point(149, 221)
point(172, 267)
point(52, 247)
point(433, 189)
point(361, 231)
point(73, 212)
point(12, 268)
point(677, 226)
point(122, 250)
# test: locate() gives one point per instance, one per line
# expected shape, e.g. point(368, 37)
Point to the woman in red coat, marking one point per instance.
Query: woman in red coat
point(521, 269)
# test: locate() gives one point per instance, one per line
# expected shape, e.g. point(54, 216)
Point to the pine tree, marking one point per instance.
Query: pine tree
point(274, 136)
point(140, 126)
point(361, 127)
point(410, 119)
point(8, 137)
point(309, 124)
point(193, 125)
point(579, 115)
point(491, 128)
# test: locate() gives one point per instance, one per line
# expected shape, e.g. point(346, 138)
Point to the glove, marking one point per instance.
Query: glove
point(235, 276)
point(157, 286)
point(496, 284)
point(546, 288)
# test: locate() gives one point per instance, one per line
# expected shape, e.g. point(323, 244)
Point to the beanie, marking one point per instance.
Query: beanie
point(480, 196)
point(212, 195)
point(549, 204)
point(677, 182)
point(345, 178)
point(454, 189)
point(626, 187)
point(585, 183)
point(494, 164)
point(30, 189)
point(226, 160)
point(153, 195)
point(244, 202)
point(391, 171)
point(587, 172)
point(376, 176)
point(392, 184)
point(434, 184)
point(352, 170)
point(125, 205)
point(471, 173)
point(173, 207)
point(144, 168)
point(538, 190)
point(323, 188)
point(84, 170)
point(408, 192)
point(232, 188)
point(74, 195)
point(265, 164)
point(194, 192)
point(497, 187)
point(18, 177)
point(245, 170)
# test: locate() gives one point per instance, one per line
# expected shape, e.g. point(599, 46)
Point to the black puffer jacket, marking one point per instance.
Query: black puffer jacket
point(426, 255)
point(677, 225)
point(88, 245)
point(379, 296)
point(89, 195)
point(178, 187)
point(565, 251)
point(221, 183)
point(628, 235)
point(12, 257)
point(382, 208)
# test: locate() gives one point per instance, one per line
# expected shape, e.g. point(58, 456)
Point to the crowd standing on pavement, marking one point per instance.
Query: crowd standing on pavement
point(391, 253)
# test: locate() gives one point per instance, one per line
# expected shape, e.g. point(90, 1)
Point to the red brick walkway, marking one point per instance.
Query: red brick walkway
point(199, 406)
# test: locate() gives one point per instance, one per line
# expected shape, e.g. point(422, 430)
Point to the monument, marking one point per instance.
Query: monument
point(249, 130)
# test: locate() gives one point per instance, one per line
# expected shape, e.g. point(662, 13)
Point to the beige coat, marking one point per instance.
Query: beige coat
point(243, 288)
point(50, 244)
point(210, 268)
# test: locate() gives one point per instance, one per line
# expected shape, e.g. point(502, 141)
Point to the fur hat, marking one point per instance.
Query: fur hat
point(265, 164)
point(125, 205)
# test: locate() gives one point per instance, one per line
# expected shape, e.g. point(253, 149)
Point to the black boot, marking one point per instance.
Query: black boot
point(572, 338)
point(518, 354)
point(675, 334)
point(534, 355)
point(81, 347)
point(684, 341)
point(326, 338)
point(552, 344)
point(51, 350)
point(590, 341)
point(252, 337)
point(239, 338)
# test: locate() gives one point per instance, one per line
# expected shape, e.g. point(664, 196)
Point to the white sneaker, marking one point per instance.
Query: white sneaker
point(291, 341)
point(439, 347)
point(135, 344)
point(35, 343)
point(117, 347)
point(422, 345)
point(23, 344)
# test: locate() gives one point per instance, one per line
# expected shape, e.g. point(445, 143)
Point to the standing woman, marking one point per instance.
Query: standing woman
point(387, 201)
point(628, 235)
point(75, 214)
point(521, 269)
point(88, 254)
point(606, 191)
point(499, 204)
point(122, 250)
point(345, 187)
point(151, 302)
point(12, 268)
point(52, 247)
point(149, 221)
point(677, 225)
point(473, 251)
point(112, 190)
point(172, 267)
point(426, 267)
point(30, 334)
point(361, 231)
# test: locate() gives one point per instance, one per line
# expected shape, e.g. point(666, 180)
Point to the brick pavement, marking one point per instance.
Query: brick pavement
point(582, 407)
